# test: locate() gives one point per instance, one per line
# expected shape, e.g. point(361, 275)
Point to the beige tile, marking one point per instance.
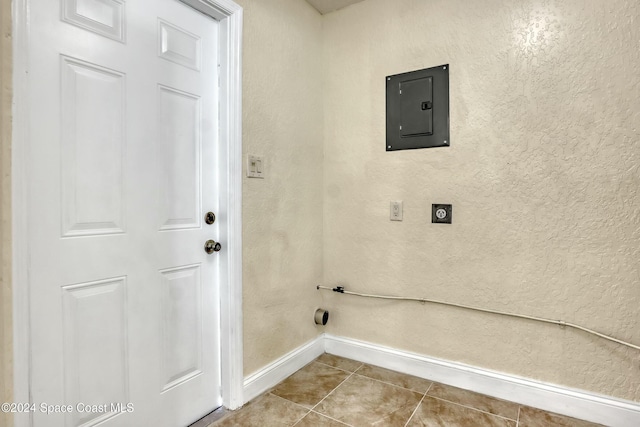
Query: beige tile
point(310, 384)
point(339, 362)
point(438, 413)
point(361, 401)
point(530, 417)
point(313, 419)
point(266, 410)
point(396, 378)
point(475, 400)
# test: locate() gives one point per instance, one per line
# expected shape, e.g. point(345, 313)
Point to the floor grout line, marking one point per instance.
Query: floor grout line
point(329, 394)
point(417, 406)
point(290, 401)
point(301, 418)
point(429, 389)
point(331, 418)
point(475, 409)
point(297, 404)
point(374, 379)
point(395, 385)
point(518, 420)
point(335, 367)
point(379, 380)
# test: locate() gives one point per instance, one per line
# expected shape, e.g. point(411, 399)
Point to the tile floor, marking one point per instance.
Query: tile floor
point(337, 392)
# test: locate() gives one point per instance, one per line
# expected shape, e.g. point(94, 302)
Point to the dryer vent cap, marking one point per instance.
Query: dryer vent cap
point(321, 317)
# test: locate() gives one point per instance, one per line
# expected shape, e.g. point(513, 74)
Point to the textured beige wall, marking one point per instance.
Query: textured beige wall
point(543, 174)
point(6, 347)
point(282, 214)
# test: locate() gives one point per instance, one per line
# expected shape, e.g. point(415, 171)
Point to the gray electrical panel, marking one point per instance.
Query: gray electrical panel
point(418, 109)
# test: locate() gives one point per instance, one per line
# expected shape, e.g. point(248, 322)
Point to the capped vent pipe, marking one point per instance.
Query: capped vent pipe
point(321, 317)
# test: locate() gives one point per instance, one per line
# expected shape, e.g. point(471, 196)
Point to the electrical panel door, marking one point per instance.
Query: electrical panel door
point(418, 109)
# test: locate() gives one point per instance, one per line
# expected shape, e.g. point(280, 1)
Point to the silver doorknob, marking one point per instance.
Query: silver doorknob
point(211, 246)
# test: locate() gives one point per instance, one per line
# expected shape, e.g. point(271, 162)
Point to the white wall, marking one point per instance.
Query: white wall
point(542, 173)
point(282, 214)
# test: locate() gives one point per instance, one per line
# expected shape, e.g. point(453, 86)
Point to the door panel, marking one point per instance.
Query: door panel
point(182, 337)
point(123, 135)
point(95, 346)
point(92, 147)
point(180, 153)
point(179, 45)
point(105, 17)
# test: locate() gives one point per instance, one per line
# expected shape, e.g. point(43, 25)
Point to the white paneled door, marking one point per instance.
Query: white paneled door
point(123, 129)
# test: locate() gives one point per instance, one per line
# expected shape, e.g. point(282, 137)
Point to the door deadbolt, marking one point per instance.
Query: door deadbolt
point(209, 218)
point(211, 246)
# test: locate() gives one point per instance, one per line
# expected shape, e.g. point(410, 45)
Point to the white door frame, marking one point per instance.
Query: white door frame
point(229, 15)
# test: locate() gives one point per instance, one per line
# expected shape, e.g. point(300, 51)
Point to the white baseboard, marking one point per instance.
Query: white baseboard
point(552, 398)
point(573, 403)
point(267, 377)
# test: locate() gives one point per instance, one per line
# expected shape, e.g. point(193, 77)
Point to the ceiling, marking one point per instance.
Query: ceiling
point(326, 6)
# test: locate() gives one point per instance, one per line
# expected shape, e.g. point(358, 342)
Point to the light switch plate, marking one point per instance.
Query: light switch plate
point(255, 166)
point(395, 211)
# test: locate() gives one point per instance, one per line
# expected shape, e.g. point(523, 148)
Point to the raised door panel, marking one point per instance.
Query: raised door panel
point(179, 154)
point(104, 17)
point(95, 350)
point(182, 332)
point(178, 45)
point(92, 149)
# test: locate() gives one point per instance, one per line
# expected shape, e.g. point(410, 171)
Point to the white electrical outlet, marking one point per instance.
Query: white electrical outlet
point(255, 166)
point(395, 211)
